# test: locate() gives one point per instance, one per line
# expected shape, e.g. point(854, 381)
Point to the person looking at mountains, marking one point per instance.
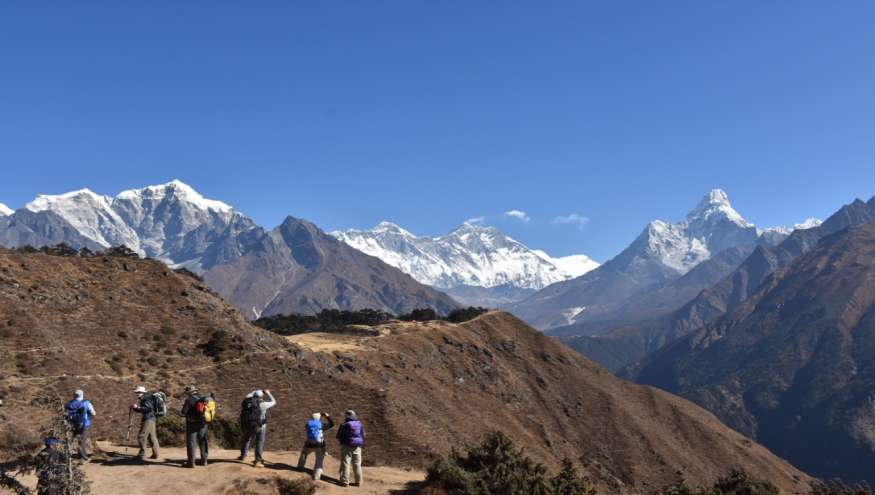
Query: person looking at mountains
point(351, 435)
point(150, 407)
point(78, 413)
point(315, 443)
point(253, 422)
point(198, 412)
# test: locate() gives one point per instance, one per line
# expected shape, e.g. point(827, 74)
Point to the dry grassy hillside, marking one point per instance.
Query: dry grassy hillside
point(107, 324)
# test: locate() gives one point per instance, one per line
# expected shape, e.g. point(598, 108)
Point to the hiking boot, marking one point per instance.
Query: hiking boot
point(241, 458)
point(153, 456)
point(188, 465)
point(256, 461)
point(204, 462)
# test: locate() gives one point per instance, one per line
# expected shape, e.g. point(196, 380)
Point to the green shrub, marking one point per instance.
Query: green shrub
point(420, 314)
point(222, 432)
point(171, 430)
point(569, 482)
point(495, 466)
point(275, 485)
point(465, 314)
point(737, 482)
point(226, 432)
point(838, 487)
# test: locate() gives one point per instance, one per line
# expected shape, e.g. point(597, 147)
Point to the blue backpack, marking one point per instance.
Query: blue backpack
point(314, 432)
point(77, 414)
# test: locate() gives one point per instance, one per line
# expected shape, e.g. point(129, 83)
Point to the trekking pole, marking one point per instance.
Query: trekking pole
point(130, 425)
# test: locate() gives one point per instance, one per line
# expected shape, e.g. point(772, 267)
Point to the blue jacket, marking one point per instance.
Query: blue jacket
point(82, 407)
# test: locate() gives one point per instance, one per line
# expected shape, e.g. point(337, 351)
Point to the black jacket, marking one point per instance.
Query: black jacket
point(189, 410)
point(146, 407)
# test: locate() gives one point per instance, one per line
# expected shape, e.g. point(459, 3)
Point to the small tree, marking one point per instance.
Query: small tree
point(569, 482)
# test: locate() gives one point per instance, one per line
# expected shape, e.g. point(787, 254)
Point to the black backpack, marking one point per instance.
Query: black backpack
point(250, 413)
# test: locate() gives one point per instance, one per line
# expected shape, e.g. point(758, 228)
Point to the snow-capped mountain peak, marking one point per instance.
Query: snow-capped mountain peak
point(471, 255)
point(712, 226)
point(809, 223)
point(49, 201)
point(174, 189)
point(716, 206)
point(89, 213)
point(389, 227)
point(171, 222)
point(5, 210)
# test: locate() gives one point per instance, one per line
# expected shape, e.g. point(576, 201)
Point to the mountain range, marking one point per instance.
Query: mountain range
point(647, 330)
point(476, 264)
point(664, 253)
point(793, 364)
point(294, 267)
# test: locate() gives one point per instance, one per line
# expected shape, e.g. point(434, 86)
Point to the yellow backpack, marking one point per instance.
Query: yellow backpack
point(210, 410)
point(206, 408)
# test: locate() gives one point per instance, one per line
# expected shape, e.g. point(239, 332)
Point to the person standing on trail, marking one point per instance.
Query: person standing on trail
point(78, 413)
point(193, 409)
point(351, 435)
point(315, 443)
point(149, 409)
point(253, 422)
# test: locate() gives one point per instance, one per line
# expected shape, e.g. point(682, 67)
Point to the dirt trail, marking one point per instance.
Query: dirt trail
point(328, 342)
point(114, 473)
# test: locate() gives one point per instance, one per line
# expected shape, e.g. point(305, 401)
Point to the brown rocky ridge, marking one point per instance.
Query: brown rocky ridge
point(793, 365)
point(107, 324)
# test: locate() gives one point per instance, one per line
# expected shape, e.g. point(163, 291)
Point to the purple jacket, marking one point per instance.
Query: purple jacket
point(351, 433)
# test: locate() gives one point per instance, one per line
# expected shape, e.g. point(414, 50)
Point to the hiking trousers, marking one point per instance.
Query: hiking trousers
point(148, 432)
point(319, 451)
point(196, 436)
point(350, 455)
point(260, 435)
point(82, 437)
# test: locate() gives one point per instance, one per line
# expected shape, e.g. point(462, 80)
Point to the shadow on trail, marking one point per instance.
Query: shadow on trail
point(284, 466)
point(411, 488)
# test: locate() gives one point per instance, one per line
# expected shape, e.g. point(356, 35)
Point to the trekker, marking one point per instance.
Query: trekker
point(351, 435)
point(315, 443)
point(78, 413)
point(253, 422)
point(149, 407)
point(194, 409)
point(51, 468)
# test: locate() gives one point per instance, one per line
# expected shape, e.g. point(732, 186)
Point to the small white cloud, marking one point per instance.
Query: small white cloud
point(476, 220)
point(571, 219)
point(518, 214)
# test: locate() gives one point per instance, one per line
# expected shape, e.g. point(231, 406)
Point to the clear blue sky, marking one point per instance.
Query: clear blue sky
point(428, 113)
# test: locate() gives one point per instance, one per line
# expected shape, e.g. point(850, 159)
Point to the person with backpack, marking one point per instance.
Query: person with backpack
point(78, 413)
point(315, 443)
point(351, 435)
point(151, 407)
point(253, 422)
point(198, 412)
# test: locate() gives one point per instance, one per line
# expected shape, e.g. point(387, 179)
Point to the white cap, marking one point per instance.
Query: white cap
point(317, 416)
point(140, 390)
point(259, 393)
point(79, 395)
